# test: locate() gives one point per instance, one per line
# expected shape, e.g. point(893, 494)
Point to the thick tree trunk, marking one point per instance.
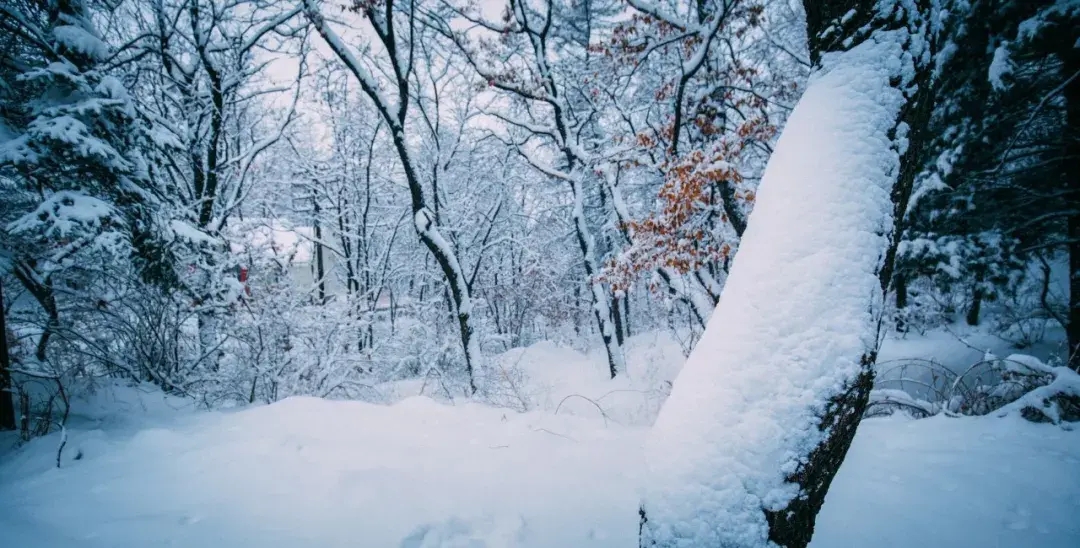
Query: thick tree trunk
point(763, 460)
point(793, 525)
point(1071, 159)
point(7, 394)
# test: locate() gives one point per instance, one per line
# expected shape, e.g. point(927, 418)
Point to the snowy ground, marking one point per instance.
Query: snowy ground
point(144, 470)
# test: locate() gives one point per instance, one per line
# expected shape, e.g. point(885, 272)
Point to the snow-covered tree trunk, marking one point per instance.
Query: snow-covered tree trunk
point(765, 409)
point(601, 303)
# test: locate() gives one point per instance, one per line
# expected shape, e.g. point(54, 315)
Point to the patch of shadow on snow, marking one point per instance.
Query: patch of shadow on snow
point(484, 532)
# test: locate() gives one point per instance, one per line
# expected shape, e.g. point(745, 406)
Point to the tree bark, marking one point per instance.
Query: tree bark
point(682, 516)
point(7, 394)
point(1071, 66)
point(793, 526)
point(901, 288)
point(975, 310)
point(320, 267)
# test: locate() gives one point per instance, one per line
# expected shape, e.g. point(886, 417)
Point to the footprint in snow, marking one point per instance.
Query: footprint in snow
point(1019, 520)
point(190, 520)
point(483, 532)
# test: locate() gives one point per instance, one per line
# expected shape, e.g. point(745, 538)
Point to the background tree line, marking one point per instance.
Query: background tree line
point(245, 200)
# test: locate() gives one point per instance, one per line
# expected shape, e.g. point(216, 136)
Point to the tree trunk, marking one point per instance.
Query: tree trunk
point(793, 525)
point(577, 306)
point(678, 290)
point(7, 394)
point(208, 339)
point(1074, 293)
point(759, 427)
point(900, 286)
point(51, 324)
point(601, 305)
point(320, 267)
point(617, 317)
point(975, 310)
point(1070, 67)
point(42, 290)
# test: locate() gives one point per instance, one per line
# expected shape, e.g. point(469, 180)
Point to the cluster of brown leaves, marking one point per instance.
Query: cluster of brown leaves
point(631, 38)
point(681, 234)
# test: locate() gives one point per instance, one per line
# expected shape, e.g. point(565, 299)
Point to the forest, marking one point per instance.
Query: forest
point(514, 273)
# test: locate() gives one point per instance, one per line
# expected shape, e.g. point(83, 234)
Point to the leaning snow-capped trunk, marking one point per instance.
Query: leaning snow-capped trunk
point(765, 409)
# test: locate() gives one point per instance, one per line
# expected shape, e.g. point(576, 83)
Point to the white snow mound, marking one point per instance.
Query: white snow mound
point(418, 474)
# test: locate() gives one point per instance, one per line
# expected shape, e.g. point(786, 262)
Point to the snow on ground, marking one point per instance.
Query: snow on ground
point(306, 472)
point(920, 364)
point(959, 346)
point(950, 482)
point(310, 472)
point(555, 379)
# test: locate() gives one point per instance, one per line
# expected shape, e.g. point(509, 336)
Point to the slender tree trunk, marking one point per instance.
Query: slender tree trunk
point(7, 394)
point(42, 291)
point(320, 267)
point(617, 317)
point(900, 286)
point(1073, 328)
point(425, 221)
point(678, 289)
point(975, 310)
point(51, 324)
point(208, 338)
point(601, 304)
point(577, 306)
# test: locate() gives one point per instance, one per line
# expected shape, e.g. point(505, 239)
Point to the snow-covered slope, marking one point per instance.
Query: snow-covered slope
point(309, 472)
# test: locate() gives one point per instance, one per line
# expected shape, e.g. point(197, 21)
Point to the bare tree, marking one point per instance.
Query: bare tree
point(555, 117)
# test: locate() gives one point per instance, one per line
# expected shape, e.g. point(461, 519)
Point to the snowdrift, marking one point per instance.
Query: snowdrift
point(307, 472)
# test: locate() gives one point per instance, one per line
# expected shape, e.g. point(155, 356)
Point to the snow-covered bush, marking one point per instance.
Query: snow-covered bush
point(1035, 305)
point(925, 387)
point(1056, 402)
point(926, 308)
